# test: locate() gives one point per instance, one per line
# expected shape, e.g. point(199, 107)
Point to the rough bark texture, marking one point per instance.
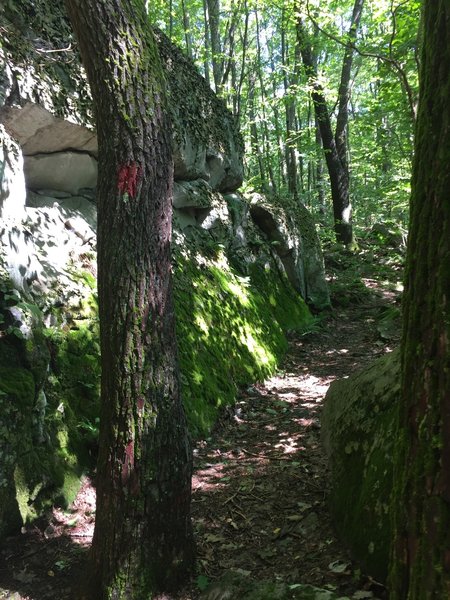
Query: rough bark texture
point(143, 539)
point(420, 566)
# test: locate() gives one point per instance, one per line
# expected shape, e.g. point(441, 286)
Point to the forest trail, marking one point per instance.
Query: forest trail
point(260, 482)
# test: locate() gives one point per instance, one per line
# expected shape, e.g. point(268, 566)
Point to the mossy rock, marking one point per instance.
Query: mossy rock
point(49, 386)
point(33, 470)
point(358, 424)
point(230, 330)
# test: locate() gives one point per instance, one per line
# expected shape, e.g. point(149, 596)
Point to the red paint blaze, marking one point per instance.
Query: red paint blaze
point(128, 463)
point(128, 178)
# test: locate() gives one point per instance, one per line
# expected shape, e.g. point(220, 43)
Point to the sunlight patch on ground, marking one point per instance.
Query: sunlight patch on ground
point(79, 520)
point(386, 289)
point(295, 389)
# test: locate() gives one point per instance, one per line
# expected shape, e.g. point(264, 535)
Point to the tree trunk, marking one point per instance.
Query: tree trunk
point(187, 30)
point(335, 146)
point(143, 538)
point(341, 132)
point(420, 566)
point(290, 90)
point(216, 47)
point(207, 44)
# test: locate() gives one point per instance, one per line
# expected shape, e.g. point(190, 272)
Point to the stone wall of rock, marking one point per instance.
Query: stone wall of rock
point(224, 264)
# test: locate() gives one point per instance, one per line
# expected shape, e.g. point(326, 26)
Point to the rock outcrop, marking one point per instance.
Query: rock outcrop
point(233, 302)
point(290, 228)
point(358, 432)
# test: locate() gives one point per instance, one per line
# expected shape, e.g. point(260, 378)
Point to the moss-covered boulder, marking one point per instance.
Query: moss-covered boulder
point(230, 327)
point(49, 390)
point(38, 462)
point(358, 424)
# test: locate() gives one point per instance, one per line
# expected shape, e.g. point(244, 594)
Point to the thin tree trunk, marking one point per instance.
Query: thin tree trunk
point(290, 111)
point(265, 130)
point(143, 538)
point(216, 48)
point(254, 137)
point(207, 59)
point(244, 42)
point(318, 176)
point(187, 29)
point(341, 132)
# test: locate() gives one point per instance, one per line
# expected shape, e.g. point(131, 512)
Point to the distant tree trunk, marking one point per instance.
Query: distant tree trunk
point(244, 45)
point(143, 538)
point(187, 30)
point(254, 136)
point(335, 146)
point(420, 566)
point(216, 47)
point(207, 43)
point(319, 177)
point(341, 132)
point(290, 120)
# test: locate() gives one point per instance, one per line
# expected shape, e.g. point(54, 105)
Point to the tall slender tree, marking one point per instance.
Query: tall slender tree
point(420, 567)
point(143, 538)
point(334, 145)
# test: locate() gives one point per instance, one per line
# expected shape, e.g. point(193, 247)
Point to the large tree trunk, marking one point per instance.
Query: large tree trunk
point(420, 567)
point(143, 538)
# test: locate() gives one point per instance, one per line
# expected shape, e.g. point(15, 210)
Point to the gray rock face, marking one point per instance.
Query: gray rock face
point(12, 180)
point(292, 231)
point(36, 129)
point(358, 433)
point(61, 171)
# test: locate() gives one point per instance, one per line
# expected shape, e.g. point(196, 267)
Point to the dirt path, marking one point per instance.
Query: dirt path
point(259, 489)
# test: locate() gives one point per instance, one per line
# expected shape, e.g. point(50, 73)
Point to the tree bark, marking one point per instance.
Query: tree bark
point(341, 132)
point(143, 537)
point(290, 84)
point(420, 565)
point(216, 46)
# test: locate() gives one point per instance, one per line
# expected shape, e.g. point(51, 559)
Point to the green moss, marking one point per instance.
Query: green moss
point(228, 334)
point(358, 425)
point(19, 385)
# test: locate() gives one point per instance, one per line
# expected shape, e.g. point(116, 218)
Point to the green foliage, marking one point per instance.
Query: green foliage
point(258, 42)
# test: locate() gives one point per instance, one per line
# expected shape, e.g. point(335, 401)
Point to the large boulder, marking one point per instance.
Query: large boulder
point(46, 107)
point(358, 432)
